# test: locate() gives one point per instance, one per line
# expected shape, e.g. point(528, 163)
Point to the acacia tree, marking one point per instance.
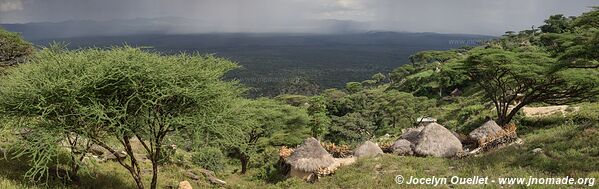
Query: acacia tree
point(118, 94)
point(557, 24)
point(403, 109)
point(251, 125)
point(319, 120)
point(530, 74)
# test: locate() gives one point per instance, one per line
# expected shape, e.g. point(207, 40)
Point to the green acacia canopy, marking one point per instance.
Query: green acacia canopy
point(118, 94)
point(530, 73)
point(115, 86)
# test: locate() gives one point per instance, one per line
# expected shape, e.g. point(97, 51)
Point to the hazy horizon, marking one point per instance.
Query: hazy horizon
point(303, 16)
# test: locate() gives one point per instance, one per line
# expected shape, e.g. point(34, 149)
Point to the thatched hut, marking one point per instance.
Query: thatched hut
point(368, 149)
point(435, 140)
point(308, 159)
point(489, 129)
point(402, 147)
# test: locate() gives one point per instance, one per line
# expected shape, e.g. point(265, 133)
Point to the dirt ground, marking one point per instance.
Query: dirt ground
point(548, 110)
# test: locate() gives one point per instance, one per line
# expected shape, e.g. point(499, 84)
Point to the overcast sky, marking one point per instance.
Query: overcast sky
point(444, 16)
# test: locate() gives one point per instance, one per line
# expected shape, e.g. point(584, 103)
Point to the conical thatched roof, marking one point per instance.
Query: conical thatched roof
point(489, 128)
point(435, 140)
point(368, 149)
point(411, 134)
point(310, 156)
point(402, 147)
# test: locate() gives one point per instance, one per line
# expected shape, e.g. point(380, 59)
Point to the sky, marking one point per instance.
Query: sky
point(489, 17)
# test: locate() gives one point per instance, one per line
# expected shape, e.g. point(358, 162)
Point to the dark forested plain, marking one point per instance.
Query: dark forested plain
point(277, 63)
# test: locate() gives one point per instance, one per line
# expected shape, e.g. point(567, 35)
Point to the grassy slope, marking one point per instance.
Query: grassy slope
point(570, 149)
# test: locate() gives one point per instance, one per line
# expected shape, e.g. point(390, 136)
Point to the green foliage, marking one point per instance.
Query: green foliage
point(210, 158)
point(588, 19)
point(398, 75)
point(401, 110)
point(270, 168)
point(427, 57)
point(118, 93)
point(13, 49)
point(256, 124)
point(300, 86)
point(434, 75)
point(319, 120)
point(557, 24)
point(587, 113)
point(379, 77)
point(528, 72)
point(294, 100)
point(168, 154)
point(353, 87)
point(373, 112)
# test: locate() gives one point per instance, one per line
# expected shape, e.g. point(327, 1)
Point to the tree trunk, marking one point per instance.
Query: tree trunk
point(73, 175)
point(501, 119)
point(155, 167)
point(131, 168)
point(244, 163)
point(504, 117)
point(138, 182)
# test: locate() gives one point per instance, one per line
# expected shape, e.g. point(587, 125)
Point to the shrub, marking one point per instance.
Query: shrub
point(167, 154)
point(587, 113)
point(13, 49)
point(210, 158)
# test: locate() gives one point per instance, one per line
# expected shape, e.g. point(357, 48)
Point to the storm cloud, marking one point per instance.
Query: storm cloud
point(445, 16)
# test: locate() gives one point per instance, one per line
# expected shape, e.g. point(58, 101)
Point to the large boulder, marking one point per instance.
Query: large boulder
point(435, 140)
point(411, 134)
point(368, 149)
point(105, 154)
point(489, 129)
point(402, 147)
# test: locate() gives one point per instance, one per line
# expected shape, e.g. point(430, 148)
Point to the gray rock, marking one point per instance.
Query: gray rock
point(97, 150)
point(120, 155)
point(191, 175)
point(435, 140)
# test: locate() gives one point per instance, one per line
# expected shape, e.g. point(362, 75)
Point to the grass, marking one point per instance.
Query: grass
point(570, 148)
